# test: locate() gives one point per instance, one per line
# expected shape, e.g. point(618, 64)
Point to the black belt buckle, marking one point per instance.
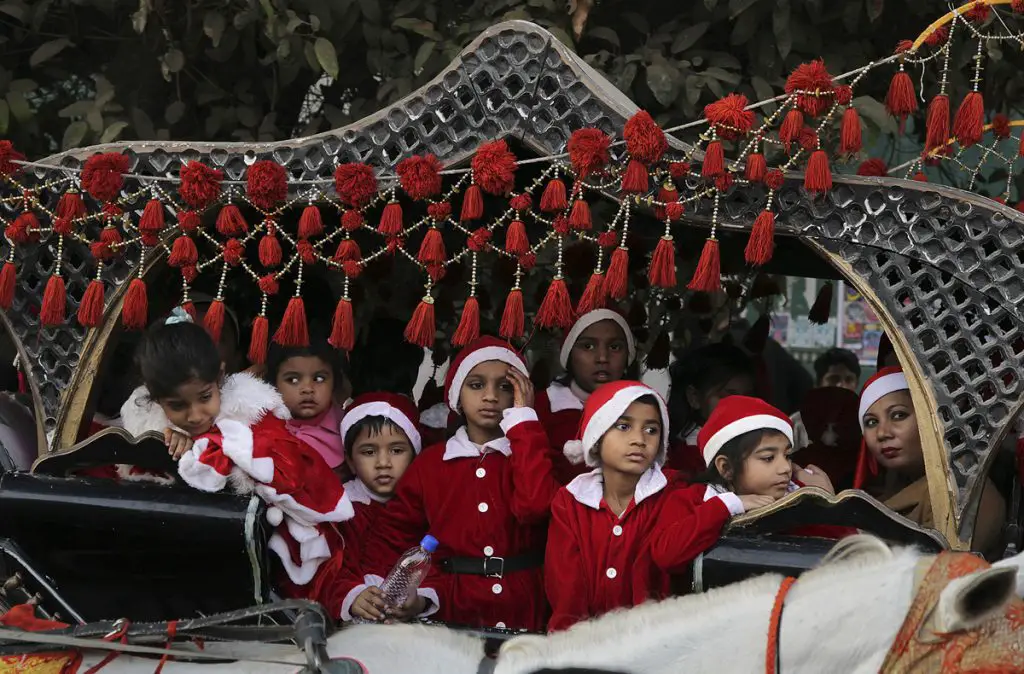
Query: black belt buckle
point(494, 567)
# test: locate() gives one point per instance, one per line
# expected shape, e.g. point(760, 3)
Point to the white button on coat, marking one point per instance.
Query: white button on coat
point(617, 530)
point(500, 626)
point(480, 472)
point(611, 573)
point(488, 551)
point(497, 588)
point(482, 507)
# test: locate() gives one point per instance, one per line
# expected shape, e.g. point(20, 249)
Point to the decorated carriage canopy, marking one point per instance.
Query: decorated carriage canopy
point(523, 189)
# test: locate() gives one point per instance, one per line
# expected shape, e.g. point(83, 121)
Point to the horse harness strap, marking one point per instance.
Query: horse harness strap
point(773, 654)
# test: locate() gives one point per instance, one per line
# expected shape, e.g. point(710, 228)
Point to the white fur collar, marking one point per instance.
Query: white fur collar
point(459, 446)
point(243, 398)
point(562, 397)
point(358, 492)
point(588, 488)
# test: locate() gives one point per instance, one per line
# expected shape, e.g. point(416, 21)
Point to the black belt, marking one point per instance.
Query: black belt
point(492, 567)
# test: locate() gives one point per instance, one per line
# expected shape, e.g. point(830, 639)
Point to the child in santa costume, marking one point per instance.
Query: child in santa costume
point(611, 542)
point(229, 432)
point(595, 351)
point(485, 495)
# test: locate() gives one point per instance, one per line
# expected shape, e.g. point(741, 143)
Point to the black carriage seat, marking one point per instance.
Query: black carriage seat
point(757, 542)
point(109, 447)
point(19, 444)
point(142, 551)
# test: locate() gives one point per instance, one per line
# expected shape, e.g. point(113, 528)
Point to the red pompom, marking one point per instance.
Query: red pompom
point(714, 160)
point(970, 119)
point(258, 344)
point(1001, 126)
point(494, 168)
point(90, 309)
point(588, 151)
point(25, 228)
point(708, 276)
point(183, 252)
point(71, 205)
point(674, 211)
point(188, 221)
point(978, 12)
point(616, 281)
point(356, 184)
point(420, 330)
point(306, 251)
point(792, 125)
point(667, 194)
point(234, 251)
point(135, 310)
point(729, 116)
point(266, 183)
point(231, 222)
point(662, 273)
point(556, 309)
point(844, 94)
point(645, 141)
point(521, 202)
point(310, 222)
point(762, 239)
point(757, 166)
point(1017, 6)
point(469, 324)
point(420, 177)
point(554, 200)
point(54, 302)
point(822, 307)
point(472, 204)
point(516, 241)
point(293, 330)
point(594, 295)
point(850, 132)
point(200, 184)
point(479, 240)
point(343, 328)
point(391, 219)
point(213, 321)
point(636, 179)
point(103, 175)
point(270, 251)
point(873, 167)
point(813, 86)
point(268, 284)
point(818, 177)
point(347, 250)
point(432, 249)
point(513, 318)
point(901, 100)
point(352, 220)
point(774, 179)
point(920, 177)
point(8, 157)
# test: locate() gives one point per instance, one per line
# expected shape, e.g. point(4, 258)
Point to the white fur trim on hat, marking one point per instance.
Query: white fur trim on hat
point(604, 418)
point(588, 319)
point(878, 389)
point(754, 422)
point(473, 359)
point(382, 409)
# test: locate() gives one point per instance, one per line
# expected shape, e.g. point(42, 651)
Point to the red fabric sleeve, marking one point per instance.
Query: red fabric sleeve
point(533, 480)
point(687, 526)
point(564, 580)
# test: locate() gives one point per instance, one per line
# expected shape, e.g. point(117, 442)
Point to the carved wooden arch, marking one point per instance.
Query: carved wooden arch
point(908, 246)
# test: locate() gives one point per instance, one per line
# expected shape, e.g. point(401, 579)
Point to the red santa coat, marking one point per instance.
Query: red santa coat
point(597, 562)
point(490, 501)
point(250, 449)
point(559, 410)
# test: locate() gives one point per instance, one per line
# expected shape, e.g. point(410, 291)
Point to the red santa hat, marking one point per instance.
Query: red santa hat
point(882, 383)
point(735, 416)
point(478, 351)
point(588, 319)
point(398, 409)
point(602, 409)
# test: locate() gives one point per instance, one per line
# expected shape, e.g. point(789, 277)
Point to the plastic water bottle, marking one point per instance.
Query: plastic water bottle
point(403, 581)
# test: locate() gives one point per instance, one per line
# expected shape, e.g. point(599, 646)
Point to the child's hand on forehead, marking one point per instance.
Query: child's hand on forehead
point(522, 388)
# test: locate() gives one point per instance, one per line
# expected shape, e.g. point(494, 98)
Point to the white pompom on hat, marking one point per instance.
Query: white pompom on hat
point(735, 416)
point(588, 319)
point(394, 407)
point(602, 409)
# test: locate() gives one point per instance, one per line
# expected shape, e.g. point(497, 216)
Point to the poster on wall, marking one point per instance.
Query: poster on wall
point(859, 328)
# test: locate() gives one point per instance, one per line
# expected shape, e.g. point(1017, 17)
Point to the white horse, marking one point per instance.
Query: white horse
point(842, 616)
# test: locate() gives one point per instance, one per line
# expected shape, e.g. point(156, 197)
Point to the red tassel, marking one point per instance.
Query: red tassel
point(54, 302)
point(714, 160)
point(901, 100)
point(513, 319)
point(579, 218)
point(432, 249)
point(556, 309)
point(792, 125)
point(762, 239)
point(71, 206)
point(90, 309)
point(183, 252)
point(969, 120)
point(757, 167)
point(850, 132)
point(230, 221)
point(920, 177)
point(818, 177)
point(391, 219)
point(553, 200)
point(822, 307)
point(472, 204)
point(270, 251)
point(343, 327)
point(1020, 150)
point(667, 194)
point(420, 330)
point(635, 180)
point(616, 280)
point(708, 275)
point(469, 325)
point(594, 295)
point(8, 280)
point(516, 241)
point(310, 222)
point(348, 250)
point(110, 236)
point(258, 344)
point(662, 273)
point(937, 126)
point(213, 321)
point(152, 220)
point(293, 330)
point(135, 310)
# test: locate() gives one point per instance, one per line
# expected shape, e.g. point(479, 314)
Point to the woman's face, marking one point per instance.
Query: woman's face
point(892, 436)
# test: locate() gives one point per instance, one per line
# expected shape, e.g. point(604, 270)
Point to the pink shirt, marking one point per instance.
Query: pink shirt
point(322, 433)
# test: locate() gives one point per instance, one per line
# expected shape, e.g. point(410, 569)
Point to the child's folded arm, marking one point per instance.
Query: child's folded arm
point(533, 480)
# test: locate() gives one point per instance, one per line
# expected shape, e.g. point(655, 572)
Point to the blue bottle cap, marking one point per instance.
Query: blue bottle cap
point(429, 543)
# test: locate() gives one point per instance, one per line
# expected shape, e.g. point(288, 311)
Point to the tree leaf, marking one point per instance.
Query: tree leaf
point(418, 26)
point(143, 124)
point(780, 27)
point(638, 22)
point(48, 50)
point(113, 131)
point(214, 24)
point(744, 28)
point(311, 59)
point(15, 8)
point(326, 56)
point(20, 109)
point(423, 54)
point(763, 91)
point(76, 109)
point(688, 37)
point(74, 134)
point(737, 7)
point(875, 8)
point(405, 7)
point(370, 10)
point(710, 5)
point(174, 59)
point(605, 34)
point(663, 82)
point(5, 116)
point(723, 75)
point(724, 60)
point(174, 112)
point(874, 111)
point(23, 86)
